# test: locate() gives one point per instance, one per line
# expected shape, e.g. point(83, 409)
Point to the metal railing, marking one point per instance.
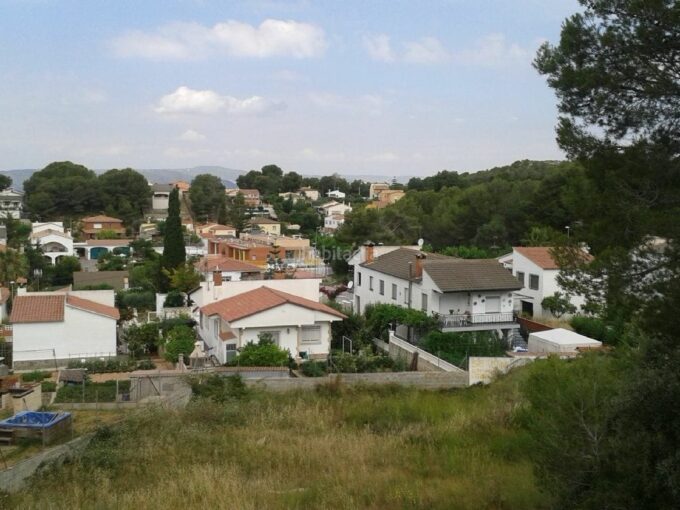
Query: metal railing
point(470, 320)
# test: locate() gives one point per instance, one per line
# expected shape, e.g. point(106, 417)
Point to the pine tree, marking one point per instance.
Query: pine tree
point(174, 253)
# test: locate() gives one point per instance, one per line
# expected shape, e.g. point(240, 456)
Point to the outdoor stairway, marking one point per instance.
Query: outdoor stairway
point(6, 436)
point(517, 340)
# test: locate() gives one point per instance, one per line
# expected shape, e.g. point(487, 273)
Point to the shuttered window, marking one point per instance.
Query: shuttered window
point(310, 334)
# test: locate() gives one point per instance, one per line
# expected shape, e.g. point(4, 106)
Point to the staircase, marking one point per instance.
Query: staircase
point(6, 437)
point(517, 340)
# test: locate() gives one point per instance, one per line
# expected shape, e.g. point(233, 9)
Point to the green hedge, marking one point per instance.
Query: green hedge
point(595, 328)
point(457, 347)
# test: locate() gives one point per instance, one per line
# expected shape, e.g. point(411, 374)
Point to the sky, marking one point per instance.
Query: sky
point(355, 87)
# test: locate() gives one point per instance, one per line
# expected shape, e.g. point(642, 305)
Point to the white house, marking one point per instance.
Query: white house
point(310, 193)
point(53, 239)
point(336, 194)
point(332, 208)
point(300, 325)
point(376, 188)
point(49, 329)
point(334, 221)
point(161, 196)
point(465, 294)
point(11, 203)
point(537, 271)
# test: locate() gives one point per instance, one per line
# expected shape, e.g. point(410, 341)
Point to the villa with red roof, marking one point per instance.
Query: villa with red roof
point(52, 328)
point(537, 270)
point(301, 325)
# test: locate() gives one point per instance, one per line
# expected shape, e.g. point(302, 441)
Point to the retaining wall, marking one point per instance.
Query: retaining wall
point(484, 370)
point(15, 477)
point(427, 362)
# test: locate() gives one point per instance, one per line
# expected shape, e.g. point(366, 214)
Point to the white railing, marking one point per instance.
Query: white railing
point(470, 320)
point(443, 365)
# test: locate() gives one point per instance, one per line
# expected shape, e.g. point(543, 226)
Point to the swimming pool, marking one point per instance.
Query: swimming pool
point(34, 420)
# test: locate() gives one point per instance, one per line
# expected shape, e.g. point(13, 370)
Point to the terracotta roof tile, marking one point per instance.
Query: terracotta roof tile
point(539, 255)
point(101, 218)
point(258, 300)
point(92, 306)
point(42, 308)
point(227, 264)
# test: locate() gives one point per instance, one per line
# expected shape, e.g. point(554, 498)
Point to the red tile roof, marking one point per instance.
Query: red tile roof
point(101, 219)
point(50, 308)
point(539, 255)
point(259, 300)
point(220, 263)
point(92, 306)
point(42, 308)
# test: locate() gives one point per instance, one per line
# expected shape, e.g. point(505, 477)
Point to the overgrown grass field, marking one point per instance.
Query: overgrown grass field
point(372, 447)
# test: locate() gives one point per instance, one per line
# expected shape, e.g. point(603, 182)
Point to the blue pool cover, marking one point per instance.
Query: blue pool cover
point(34, 419)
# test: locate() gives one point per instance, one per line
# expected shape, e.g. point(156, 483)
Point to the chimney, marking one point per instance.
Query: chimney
point(369, 252)
point(217, 278)
point(418, 273)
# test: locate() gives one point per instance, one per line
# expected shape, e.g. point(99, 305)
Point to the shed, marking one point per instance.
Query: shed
point(560, 340)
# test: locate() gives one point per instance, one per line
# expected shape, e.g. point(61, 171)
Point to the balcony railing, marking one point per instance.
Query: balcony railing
point(475, 319)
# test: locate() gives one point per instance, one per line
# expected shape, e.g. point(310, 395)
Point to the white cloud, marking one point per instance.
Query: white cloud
point(192, 136)
point(208, 102)
point(185, 41)
point(427, 50)
point(379, 47)
point(494, 50)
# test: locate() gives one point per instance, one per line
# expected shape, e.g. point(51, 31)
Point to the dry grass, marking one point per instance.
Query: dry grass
point(359, 448)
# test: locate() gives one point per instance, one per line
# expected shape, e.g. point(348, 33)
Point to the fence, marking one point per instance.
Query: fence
point(475, 319)
point(399, 347)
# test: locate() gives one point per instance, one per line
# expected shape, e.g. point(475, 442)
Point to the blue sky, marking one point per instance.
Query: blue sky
point(356, 87)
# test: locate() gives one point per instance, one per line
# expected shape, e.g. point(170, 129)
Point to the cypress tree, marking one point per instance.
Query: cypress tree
point(174, 253)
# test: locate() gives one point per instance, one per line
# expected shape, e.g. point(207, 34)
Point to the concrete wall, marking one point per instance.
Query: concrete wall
point(16, 477)
point(484, 370)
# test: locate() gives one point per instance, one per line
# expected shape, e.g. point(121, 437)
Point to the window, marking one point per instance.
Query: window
point(358, 278)
point(424, 302)
point(275, 335)
point(97, 225)
point(394, 291)
point(520, 277)
point(231, 347)
point(382, 287)
point(406, 295)
point(533, 281)
point(370, 283)
point(216, 327)
point(310, 334)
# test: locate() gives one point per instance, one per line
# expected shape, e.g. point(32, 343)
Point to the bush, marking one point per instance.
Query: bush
point(110, 365)
point(265, 353)
point(142, 339)
point(48, 386)
point(35, 376)
point(380, 316)
point(146, 364)
point(595, 328)
point(313, 368)
point(174, 299)
point(363, 363)
point(179, 340)
point(94, 392)
point(558, 304)
point(218, 388)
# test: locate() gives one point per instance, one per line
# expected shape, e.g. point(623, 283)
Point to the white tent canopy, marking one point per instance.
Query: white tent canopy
point(560, 340)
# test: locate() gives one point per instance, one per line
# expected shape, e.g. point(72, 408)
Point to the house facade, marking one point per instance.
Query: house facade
point(54, 241)
point(311, 193)
point(464, 294)
point(11, 203)
point(229, 270)
point(332, 208)
point(94, 225)
point(266, 225)
point(537, 271)
point(375, 189)
point(300, 325)
point(251, 197)
point(161, 196)
point(49, 329)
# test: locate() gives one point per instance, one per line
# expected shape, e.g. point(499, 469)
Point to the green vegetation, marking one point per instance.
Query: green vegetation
point(48, 386)
point(174, 253)
point(364, 362)
point(35, 376)
point(373, 447)
point(94, 392)
point(110, 365)
point(179, 340)
point(207, 196)
point(456, 348)
point(264, 353)
point(558, 304)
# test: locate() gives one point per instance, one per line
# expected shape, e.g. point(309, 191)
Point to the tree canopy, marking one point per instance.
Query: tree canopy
point(206, 195)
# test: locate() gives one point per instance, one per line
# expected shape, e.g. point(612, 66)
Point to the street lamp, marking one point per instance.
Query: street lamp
point(568, 231)
point(37, 273)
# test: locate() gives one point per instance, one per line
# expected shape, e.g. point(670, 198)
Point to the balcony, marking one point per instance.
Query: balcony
point(478, 321)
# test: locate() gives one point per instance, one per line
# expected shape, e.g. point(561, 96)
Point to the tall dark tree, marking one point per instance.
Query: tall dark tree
point(206, 195)
point(62, 190)
point(125, 194)
point(174, 252)
point(237, 213)
point(222, 215)
point(616, 72)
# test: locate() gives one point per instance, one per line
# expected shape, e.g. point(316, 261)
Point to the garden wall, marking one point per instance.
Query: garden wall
point(484, 370)
point(427, 362)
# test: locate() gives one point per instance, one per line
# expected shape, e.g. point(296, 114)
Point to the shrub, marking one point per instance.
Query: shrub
point(48, 386)
point(94, 392)
point(363, 363)
point(179, 340)
point(110, 365)
point(174, 299)
point(313, 368)
point(35, 376)
point(457, 347)
point(596, 328)
point(558, 304)
point(218, 388)
point(380, 316)
point(142, 339)
point(265, 353)
point(146, 364)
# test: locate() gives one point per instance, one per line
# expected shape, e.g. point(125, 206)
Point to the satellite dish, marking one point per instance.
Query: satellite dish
point(350, 285)
point(421, 242)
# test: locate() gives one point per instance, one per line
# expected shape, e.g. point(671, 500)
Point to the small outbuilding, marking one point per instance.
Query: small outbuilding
point(560, 340)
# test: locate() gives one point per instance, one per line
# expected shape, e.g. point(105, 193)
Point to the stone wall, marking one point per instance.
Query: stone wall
point(484, 370)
